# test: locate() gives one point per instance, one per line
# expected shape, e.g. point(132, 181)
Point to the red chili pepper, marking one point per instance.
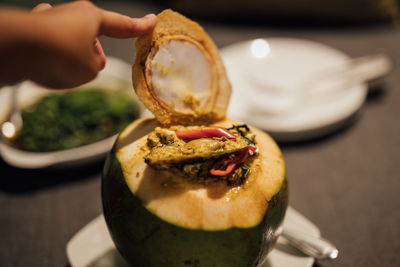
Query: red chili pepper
point(225, 166)
point(206, 132)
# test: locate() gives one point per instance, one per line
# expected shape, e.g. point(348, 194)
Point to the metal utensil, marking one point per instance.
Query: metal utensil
point(315, 247)
point(13, 124)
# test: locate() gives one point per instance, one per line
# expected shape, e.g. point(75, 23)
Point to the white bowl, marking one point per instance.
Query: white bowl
point(258, 66)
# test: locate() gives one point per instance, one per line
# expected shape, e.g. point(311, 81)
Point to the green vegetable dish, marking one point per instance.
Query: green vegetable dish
point(76, 118)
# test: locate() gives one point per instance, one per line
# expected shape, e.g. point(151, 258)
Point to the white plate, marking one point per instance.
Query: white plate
point(283, 63)
point(115, 72)
point(92, 245)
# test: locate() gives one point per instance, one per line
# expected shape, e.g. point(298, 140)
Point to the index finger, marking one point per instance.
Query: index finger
point(120, 26)
point(41, 7)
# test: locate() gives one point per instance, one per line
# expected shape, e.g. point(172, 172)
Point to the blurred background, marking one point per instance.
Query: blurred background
point(272, 11)
point(346, 181)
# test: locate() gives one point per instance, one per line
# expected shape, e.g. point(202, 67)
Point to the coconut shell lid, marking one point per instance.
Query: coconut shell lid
point(178, 73)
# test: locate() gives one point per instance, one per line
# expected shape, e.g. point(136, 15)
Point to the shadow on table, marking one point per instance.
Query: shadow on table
point(15, 180)
point(376, 93)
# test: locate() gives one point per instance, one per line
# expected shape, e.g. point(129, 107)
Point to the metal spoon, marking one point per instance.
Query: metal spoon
point(316, 247)
point(13, 124)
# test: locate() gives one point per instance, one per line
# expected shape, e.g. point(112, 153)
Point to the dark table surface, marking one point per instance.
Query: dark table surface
point(347, 183)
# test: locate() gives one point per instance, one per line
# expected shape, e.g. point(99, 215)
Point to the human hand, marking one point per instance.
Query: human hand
point(97, 46)
point(61, 48)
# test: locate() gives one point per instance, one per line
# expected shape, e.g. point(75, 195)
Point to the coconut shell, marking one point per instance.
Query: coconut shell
point(172, 26)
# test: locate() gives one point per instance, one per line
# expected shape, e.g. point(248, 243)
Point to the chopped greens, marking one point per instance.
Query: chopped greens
point(75, 118)
point(244, 131)
point(246, 171)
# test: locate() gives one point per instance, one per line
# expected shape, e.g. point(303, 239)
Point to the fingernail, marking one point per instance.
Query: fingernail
point(149, 15)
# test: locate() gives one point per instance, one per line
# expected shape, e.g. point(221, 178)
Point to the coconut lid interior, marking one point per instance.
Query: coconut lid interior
point(181, 75)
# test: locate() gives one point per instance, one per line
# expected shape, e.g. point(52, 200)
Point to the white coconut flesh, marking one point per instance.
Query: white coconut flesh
point(213, 207)
point(180, 75)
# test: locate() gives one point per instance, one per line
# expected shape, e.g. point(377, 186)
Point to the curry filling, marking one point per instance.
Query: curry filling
point(203, 154)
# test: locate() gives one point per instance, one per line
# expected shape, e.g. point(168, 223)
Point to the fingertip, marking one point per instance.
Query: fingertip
point(151, 16)
point(152, 20)
point(145, 24)
point(42, 7)
point(121, 26)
